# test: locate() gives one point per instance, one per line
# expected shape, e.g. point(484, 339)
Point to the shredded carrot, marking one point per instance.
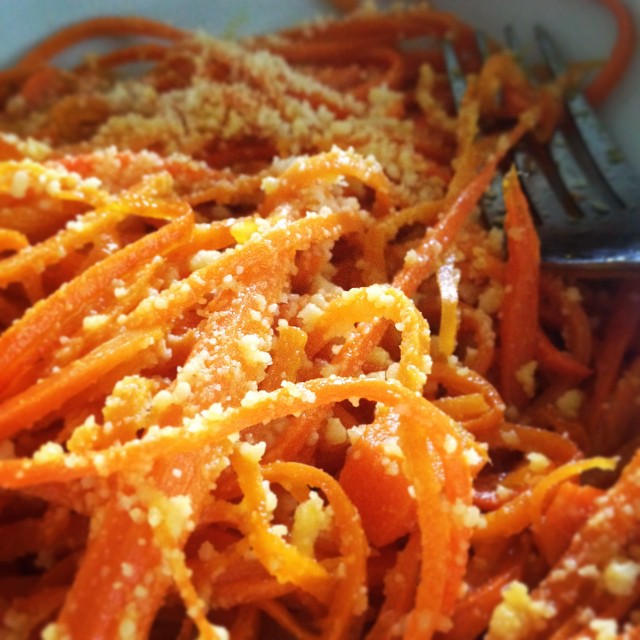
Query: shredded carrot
point(264, 371)
point(613, 70)
point(519, 322)
point(93, 28)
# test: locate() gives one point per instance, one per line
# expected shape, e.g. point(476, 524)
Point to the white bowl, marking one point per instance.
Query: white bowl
point(584, 29)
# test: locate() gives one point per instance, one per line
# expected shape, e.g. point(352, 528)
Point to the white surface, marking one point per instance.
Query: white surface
point(584, 29)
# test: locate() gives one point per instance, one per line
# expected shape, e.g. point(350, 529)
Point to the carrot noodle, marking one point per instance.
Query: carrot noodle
point(448, 280)
point(613, 69)
point(97, 27)
point(518, 325)
point(265, 372)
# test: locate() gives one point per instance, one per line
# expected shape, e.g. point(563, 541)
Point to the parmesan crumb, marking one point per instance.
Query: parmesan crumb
point(334, 432)
point(252, 452)
point(55, 631)
point(518, 616)
point(20, 184)
point(311, 518)
point(526, 377)
point(570, 403)
point(620, 576)
point(605, 628)
point(538, 462)
point(450, 444)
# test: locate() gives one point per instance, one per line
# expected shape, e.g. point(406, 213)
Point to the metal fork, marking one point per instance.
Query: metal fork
point(584, 193)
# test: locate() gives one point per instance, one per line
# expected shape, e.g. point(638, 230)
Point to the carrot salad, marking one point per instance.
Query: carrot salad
point(265, 372)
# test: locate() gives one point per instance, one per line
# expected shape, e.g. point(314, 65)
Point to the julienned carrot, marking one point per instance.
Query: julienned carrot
point(129, 550)
point(351, 356)
point(296, 434)
point(399, 589)
point(529, 439)
point(39, 607)
point(129, 544)
point(239, 319)
point(32, 337)
point(621, 327)
point(602, 539)
point(519, 321)
point(328, 167)
point(463, 408)
point(473, 611)
point(349, 599)
point(616, 64)
point(373, 478)
point(62, 532)
point(379, 235)
point(458, 208)
point(466, 381)
point(383, 27)
point(34, 260)
point(527, 507)
point(12, 240)
point(448, 280)
point(147, 52)
point(23, 410)
point(335, 52)
point(285, 266)
point(288, 356)
point(239, 591)
point(207, 427)
point(621, 410)
point(245, 626)
point(557, 362)
point(568, 510)
point(566, 302)
point(284, 619)
point(183, 294)
point(97, 27)
point(540, 491)
point(426, 258)
point(438, 475)
point(280, 558)
point(481, 358)
point(392, 75)
point(372, 303)
point(220, 343)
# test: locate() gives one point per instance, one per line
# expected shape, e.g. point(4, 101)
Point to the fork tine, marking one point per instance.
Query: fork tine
point(482, 42)
point(550, 208)
point(513, 42)
point(604, 153)
point(493, 201)
point(574, 186)
point(583, 196)
point(492, 204)
point(547, 206)
point(568, 240)
point(457, 81)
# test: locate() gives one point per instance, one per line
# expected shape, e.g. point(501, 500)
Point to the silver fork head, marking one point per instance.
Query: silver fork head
point(602, 185)
point(492, 203)
point(584, 194)
point(607, 157)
